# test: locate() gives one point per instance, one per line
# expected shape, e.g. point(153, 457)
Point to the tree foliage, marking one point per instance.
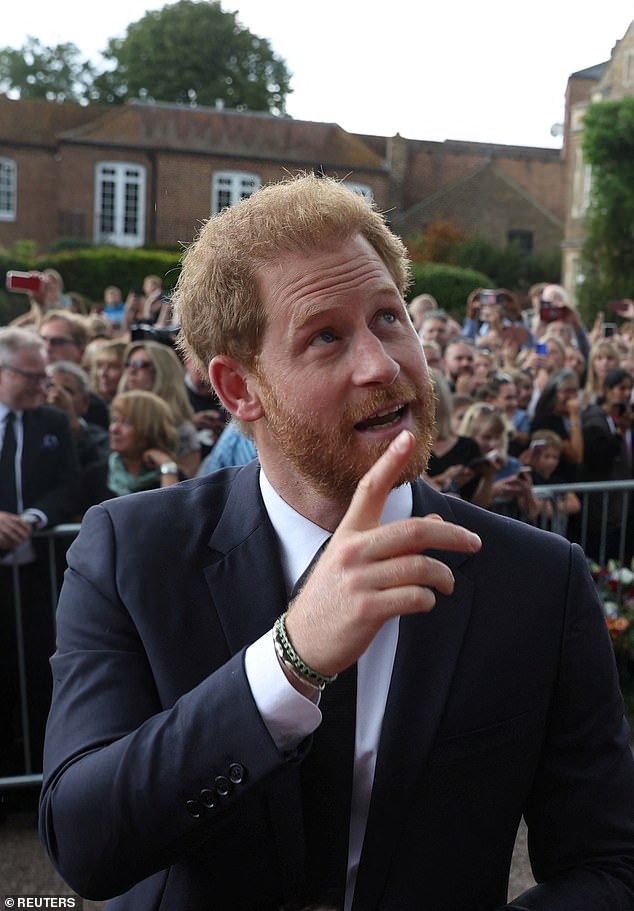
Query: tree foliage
point(436, 244)
point(196, 53)
point(608, 255)
point(189, 52)
point(50, 73)
point(509, 267)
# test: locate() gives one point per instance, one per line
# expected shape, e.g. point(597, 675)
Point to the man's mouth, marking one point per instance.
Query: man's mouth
point(387, 417)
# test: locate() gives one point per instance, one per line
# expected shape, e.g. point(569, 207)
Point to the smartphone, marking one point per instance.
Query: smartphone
point(549, 313)
point(24, 281)
point(541, 348)
point(488, 296)
point(609, 329)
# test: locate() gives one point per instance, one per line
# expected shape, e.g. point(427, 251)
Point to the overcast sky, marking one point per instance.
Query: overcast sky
point(491, 71)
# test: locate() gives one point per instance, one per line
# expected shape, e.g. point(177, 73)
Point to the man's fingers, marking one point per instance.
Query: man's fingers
point(369, 499)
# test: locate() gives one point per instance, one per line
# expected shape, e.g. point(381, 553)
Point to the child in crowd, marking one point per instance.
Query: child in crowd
point(543, 456)
point(512, 493)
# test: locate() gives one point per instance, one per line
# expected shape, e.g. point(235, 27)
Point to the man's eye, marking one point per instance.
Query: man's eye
point(324, 337)
point(388, 316)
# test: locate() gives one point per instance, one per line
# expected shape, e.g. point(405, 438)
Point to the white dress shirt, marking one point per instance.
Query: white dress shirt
point(290, 716)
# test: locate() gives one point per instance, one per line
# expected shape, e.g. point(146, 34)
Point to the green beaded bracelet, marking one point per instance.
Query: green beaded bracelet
point(289, 656)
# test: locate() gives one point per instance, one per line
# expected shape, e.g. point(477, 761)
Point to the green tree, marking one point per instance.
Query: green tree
point(194, 53)
point(608, 254)
point(51, 73)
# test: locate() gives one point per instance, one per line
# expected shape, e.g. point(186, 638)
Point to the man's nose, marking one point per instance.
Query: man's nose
point(373, 365)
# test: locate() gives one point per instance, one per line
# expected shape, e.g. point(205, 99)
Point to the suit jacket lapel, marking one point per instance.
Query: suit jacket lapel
point(246, 580)
point(426, 657)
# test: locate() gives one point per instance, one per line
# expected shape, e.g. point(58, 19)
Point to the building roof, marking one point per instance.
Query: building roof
point(592, 72)
point(237, 134)
point(38, 122)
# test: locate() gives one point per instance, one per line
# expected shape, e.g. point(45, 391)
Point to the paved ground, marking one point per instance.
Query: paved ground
point(25, 868)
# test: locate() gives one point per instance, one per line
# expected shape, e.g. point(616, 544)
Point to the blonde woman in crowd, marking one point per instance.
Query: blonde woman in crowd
point(153, 367)
point(604, 356)
point(106, 369)
point(142, 450)
point(450, 463)
point(511, 491)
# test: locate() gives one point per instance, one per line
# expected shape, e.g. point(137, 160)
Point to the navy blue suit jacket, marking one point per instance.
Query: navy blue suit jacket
point(162, 782)
point(50, 470)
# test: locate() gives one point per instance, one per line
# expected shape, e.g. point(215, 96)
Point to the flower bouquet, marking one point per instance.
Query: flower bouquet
point(615, 584)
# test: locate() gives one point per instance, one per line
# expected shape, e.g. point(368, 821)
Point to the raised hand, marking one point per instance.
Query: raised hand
point(371, 572)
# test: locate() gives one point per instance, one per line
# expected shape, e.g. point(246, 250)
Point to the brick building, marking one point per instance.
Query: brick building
point(142, 174)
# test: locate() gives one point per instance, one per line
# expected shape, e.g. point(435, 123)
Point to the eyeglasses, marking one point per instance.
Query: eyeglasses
point(27, 374)
point(138, 365)
point(56, 341)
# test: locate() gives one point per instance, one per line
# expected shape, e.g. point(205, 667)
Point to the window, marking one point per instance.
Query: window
point(229, 187)
point(120, 204)
point(581, 184)
point(521, 239)
point(8, 189)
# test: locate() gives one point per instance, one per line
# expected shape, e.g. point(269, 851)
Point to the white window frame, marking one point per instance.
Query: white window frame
point(120, 217)
point(581, 185)
point(8, 189)
point(229, 187)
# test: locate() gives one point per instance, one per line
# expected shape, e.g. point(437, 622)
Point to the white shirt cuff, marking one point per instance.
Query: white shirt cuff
point(288, 715)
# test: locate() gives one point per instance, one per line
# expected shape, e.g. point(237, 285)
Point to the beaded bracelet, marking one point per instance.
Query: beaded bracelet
point(291, 659)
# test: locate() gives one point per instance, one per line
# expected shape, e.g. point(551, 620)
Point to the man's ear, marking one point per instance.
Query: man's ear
point(236, 388)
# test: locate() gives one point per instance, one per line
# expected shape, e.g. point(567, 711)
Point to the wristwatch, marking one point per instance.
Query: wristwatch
point(169, 468)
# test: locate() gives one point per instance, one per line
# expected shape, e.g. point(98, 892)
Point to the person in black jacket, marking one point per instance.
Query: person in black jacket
point(607, 440)
point(38, 489)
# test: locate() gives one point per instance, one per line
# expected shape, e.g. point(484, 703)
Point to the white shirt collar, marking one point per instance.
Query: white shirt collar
point(4, 410)
point(300, 539)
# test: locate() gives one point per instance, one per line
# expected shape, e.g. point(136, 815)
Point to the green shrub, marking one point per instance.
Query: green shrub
point(509, 267)
point(88, 271)
point(450, 285)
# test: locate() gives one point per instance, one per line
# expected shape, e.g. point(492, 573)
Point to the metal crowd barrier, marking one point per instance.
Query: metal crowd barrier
point(610, 498)
point(551, 518)
point(31, 775)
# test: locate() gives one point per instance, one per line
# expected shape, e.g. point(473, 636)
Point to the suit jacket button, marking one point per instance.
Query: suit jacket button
point(208, 798)
point(223, 786)
point(236, 773)
point(193, 808)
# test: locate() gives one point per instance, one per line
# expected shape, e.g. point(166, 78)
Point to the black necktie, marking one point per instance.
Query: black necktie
point(327, 791)
point(327, 787)
point(8, 489)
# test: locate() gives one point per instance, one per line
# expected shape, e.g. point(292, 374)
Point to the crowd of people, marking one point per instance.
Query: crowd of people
point(98, 408)
point(503, 376)
point(547, 399)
